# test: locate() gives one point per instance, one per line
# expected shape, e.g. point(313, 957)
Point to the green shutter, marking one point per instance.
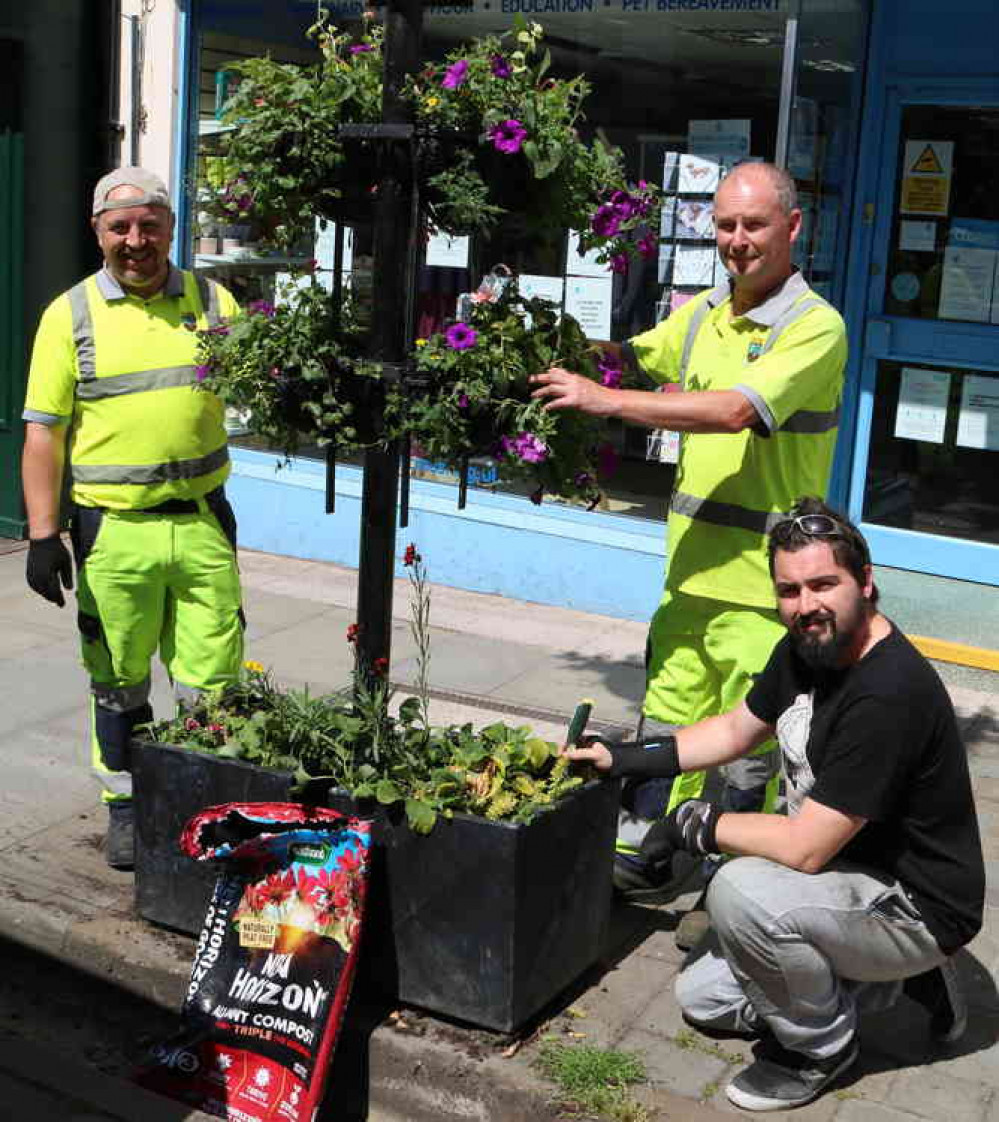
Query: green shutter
point(12, 373)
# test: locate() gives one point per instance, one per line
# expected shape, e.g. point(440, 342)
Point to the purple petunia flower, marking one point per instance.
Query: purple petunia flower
point(647, 246)
point(624, 204)
point(361, 48)
point(500, 67)
point(275, 372)
point(455, 74)
point(261, 308)
point(619, 263)
point(508, 136)
point(201, 372)
point(606, 221)
point(610, 371)
point(460, 336)
point(525, 446)
point(463, 401)
point(607, 459)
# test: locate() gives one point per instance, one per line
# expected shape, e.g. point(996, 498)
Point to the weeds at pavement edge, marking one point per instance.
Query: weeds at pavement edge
point(593, 1080)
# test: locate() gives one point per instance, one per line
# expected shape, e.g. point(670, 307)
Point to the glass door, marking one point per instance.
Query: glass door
point(928, 429)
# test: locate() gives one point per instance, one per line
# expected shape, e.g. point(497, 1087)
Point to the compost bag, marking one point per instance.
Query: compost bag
point(274, 964)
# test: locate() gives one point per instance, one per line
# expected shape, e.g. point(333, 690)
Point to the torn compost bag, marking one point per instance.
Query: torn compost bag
point(274, 964)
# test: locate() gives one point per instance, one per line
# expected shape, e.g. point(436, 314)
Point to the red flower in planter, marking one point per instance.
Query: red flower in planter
point(352, 632)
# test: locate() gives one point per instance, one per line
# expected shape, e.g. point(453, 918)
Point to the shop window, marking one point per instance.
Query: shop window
point(685, 92)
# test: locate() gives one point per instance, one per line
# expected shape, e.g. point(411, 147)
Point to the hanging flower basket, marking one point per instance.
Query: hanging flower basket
point(294, 373)
point(476, 397)
point(495, 136)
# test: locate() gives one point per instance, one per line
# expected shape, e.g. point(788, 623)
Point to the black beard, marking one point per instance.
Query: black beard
point(819, 653)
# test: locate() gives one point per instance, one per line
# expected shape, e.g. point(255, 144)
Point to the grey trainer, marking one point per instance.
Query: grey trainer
point(779, 1079)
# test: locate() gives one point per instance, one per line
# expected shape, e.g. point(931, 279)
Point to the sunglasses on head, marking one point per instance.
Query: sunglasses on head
point(811, 525)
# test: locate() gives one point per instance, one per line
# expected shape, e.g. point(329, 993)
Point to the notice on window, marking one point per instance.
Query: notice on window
point(588, 299)
point(325, 246)
point(917, 237)
point(726, 138)
point(548, 288)
point(446, 252)
point(978, 421)
point(971, 261)
point(922, 405)
point(926, 173)
point(579, 264)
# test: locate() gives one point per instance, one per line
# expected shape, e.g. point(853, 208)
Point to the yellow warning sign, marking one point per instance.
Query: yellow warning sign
point(926, 173)
point(928, 162)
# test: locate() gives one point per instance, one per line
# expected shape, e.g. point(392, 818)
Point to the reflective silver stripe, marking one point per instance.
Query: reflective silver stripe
point(48, 419)
point(789, 316)
point(165, 377)
point(699, 316)
point(151, 473)
point(724, 514)
point(121, 699)
point(83, 332)
point(811, 421)
point(209, 294)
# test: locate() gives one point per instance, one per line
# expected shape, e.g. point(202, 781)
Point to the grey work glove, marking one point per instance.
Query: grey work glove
point(49, 568)
point(691, 826)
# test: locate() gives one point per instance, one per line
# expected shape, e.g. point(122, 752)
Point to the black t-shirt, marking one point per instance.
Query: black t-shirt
point(880, 740)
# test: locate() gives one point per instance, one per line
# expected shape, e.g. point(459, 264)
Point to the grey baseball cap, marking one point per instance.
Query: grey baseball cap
point(154, 192)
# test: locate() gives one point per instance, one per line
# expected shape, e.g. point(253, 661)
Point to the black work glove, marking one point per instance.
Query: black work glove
point(49, 563)
point(691, 826)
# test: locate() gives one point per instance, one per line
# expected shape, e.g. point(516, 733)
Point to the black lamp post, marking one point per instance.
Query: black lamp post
point(396, 228)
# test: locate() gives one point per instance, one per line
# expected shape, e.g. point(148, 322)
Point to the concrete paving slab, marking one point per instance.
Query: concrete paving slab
point(617, 690)
point(464, 662)
point(931, 1093)
point(690, 1073)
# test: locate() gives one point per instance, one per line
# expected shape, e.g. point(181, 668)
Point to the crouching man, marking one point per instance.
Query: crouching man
point(874, 878)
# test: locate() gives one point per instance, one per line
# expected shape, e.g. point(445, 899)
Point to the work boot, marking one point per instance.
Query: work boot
point(692, 928)
point(638, 882)
point(119, 845)
point(939, 993)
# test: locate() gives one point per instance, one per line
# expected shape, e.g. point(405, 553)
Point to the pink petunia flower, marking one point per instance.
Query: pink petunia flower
point(460, 336)
point(361, 48)
point(455, 75)
point(508, 136)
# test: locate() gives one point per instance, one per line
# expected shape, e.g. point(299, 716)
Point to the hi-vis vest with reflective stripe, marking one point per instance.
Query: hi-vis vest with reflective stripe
point(803, 421)
point(141, 432)
point(731, 488)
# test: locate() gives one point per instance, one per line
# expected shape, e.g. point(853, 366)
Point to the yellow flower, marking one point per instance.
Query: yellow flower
point(421, 342)
point(432, 102)
point(253, 667)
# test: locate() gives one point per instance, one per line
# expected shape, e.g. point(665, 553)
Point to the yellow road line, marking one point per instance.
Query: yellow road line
point(963, 654)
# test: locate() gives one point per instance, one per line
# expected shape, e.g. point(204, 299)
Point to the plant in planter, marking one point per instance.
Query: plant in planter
point(293, 372)
point(485, 916)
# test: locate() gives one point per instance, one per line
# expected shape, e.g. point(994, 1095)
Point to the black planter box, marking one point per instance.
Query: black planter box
point(170, 785)
point(487, 922)
point(479, 921)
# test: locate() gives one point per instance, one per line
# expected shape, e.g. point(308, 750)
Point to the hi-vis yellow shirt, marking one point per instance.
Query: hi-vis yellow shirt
point(787, 356)
point(120, 371)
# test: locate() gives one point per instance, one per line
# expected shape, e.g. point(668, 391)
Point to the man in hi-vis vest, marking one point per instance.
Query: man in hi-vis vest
point(113, 399)
point(759, 361)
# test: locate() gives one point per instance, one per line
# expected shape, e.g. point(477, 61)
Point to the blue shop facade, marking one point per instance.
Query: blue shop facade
point(886, 113)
